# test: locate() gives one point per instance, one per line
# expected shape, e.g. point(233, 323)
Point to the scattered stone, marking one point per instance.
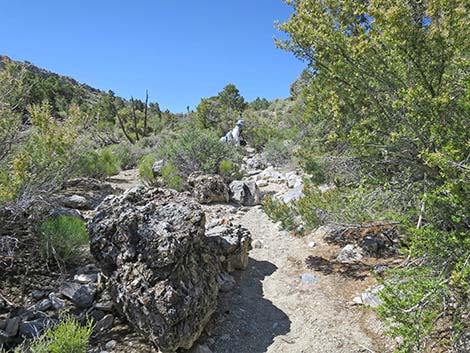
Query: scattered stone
point(372, 245)
point(110, 345)
point(245, 193)
point(56, 302)
point(293, 180)
point(38, 294)
point(463, 343)
point(76, 201)
point(226, 281)
point(157, 167)
point(370, 297)
point(104, 306)
point(380, 269)
point(208, 188)
point(308, 278)
point(104, 324)
point(293, 195)
point(86, 278)
point(41, 306)
point(350, 253)
point(312, 244)
point(82, 296)
point(257, 244)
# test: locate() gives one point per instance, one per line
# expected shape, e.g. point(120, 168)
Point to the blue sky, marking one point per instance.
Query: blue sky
point(179, 50)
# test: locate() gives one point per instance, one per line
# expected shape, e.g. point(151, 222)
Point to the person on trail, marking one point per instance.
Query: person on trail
point(235, 136)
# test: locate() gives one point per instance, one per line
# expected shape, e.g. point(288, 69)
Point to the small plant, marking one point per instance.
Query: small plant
point(278, 211)
point(98, 164)
point(171, 178)
point(67, 337)
point(62, 238)
point(145, 168)
point(225, 167)
point(277, 153)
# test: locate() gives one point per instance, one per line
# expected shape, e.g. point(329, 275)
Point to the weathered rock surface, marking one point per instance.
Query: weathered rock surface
point(163, 271)
point(209, 188)
point(350, 253)
point(157, 167)
point(231, 244)
point(245, 193)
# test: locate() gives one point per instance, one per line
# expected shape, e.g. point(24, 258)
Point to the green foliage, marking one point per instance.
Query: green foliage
point(278, 211)
point(259, 104)
point(225, 167)
point(62, 238)
point(99, 163)
point(197, 150)
point(42, 160)
point(277, 152)
point(145, 168)
point(171, 177)
point(388, 87)
point(67, 337)
point(221, 111)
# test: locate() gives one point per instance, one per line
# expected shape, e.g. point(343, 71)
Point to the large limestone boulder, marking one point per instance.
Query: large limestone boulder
point(209, 188)
point(245, 193)
point(162, 269)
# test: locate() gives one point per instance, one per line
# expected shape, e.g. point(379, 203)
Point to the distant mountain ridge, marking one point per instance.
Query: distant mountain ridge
point(45, 74)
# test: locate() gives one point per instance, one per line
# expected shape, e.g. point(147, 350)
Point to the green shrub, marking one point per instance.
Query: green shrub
point(171, 178)
point(99, 163)
point(278, 211)
point(198, 150)
point(225, 167)
point(145, 168)
point(67, 337)
point(277, 153)
point(62, 238)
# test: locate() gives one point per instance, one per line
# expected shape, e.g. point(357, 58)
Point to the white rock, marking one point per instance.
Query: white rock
point(312, 244)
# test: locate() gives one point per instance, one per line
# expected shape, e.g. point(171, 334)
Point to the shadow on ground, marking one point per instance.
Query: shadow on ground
point(357, 271)
point(245, 322)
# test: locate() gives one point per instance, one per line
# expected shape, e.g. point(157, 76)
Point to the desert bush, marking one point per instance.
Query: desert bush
point(99, 163)
point(68, 336)
point(278, 211)
point(145, 168)
point(198, 150)
point(62, 239)
point(171, 177)
point(277, 153)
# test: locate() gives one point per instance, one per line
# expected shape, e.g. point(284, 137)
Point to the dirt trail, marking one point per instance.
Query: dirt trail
point(272, 310)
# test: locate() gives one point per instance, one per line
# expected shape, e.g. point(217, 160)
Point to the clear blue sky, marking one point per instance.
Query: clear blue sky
point(179, 50)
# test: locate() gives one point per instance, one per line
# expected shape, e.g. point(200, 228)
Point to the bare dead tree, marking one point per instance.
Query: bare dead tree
point(146, 111)
point(134, 117)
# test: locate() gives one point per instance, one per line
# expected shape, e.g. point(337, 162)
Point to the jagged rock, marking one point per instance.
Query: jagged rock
point(56, 302)
point(43, 305)
point(162, 269)
point(350, 253)
point(34, 328)
point(245, 193)
point(293, 180)
point(372, 245)
point(232, 245)
point(157, 167)
point(104, 324)
point(81, 296)
point(209, 188)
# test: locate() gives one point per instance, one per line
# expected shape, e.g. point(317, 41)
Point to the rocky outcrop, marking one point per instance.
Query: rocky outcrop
point(245, 193)
point(208, 188)
point(163, 270)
